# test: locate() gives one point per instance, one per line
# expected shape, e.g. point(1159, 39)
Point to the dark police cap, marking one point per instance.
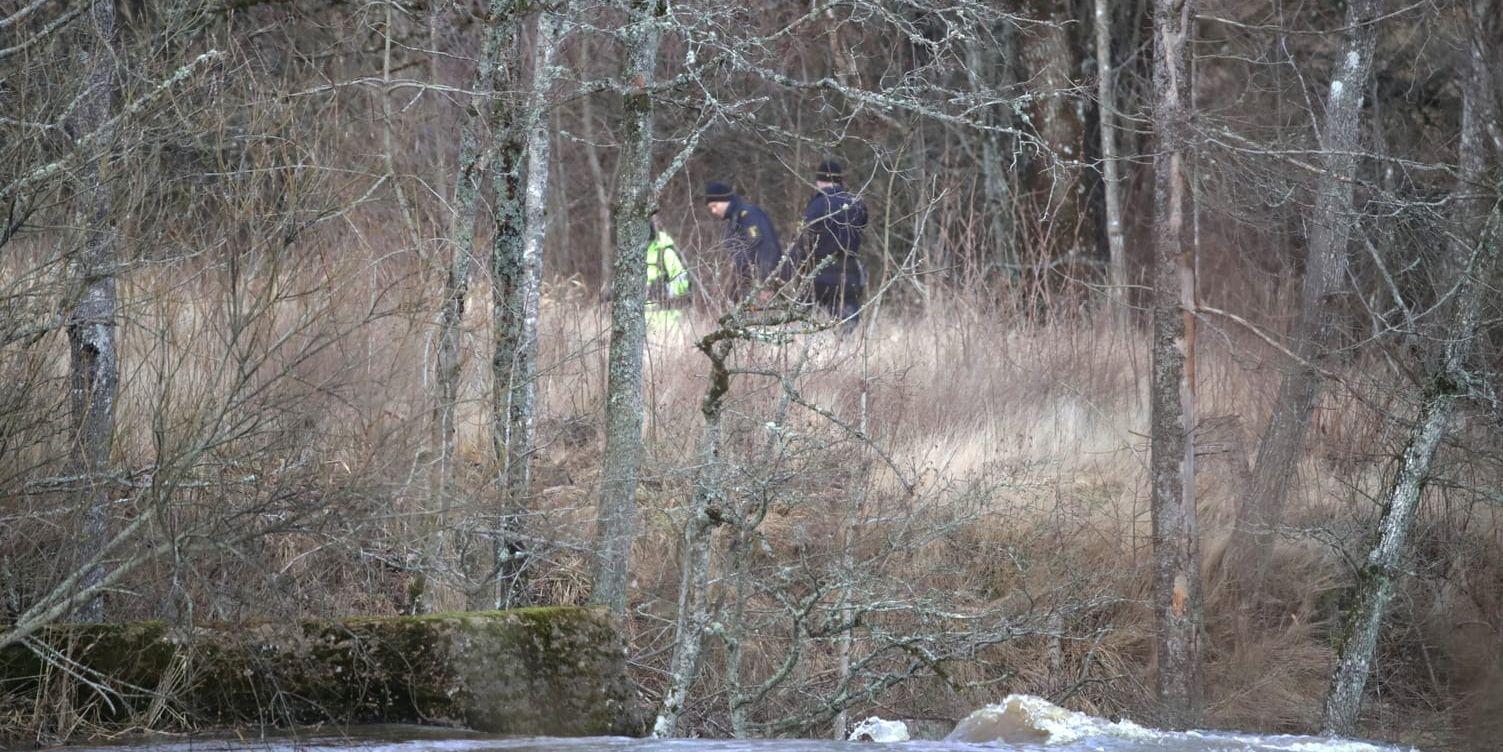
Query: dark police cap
point(829, 170)
point(717, 191)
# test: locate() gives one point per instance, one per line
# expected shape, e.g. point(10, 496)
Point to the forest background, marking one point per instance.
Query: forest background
point(304, 312)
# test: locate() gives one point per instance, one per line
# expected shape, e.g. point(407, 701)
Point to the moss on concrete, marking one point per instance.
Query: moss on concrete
point(557, 671)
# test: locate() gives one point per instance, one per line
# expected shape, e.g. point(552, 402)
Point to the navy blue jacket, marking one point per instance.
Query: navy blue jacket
point(751, 240)
point(832, 227)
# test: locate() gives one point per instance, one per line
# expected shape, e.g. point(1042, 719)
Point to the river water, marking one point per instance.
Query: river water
point(1018, 723)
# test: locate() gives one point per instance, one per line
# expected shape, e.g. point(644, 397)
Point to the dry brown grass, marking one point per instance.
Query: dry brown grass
point(1033, 430)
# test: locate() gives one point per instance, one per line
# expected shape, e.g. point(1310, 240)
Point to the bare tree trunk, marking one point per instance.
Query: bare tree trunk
point(388, 151)
point(461, 239)
point(491, 568)
point(694, 566)
point(1325, 272)
point(1471, 270)
point(1376, 580)
point(630, 209)
point(597, 174)
point(516, 280)
point(1400, 500)
point(1176, 545)
point(94, 362)
point(1058, 208)
point(1110, 174)
point(991, 67)
point(850, 533)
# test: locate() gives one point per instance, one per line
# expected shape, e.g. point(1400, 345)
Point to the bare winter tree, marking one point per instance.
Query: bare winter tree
point(1451, 377)
point(94, 361)
point(516, 270)
point(1315, 326)
point(991, 66)
point(1176, 539)
point(631, 206)
point(476, 148)
point(1377, 579)
point(706, 512)
point(1106, 80)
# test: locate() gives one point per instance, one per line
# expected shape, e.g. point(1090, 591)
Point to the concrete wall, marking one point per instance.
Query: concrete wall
point(553, 671)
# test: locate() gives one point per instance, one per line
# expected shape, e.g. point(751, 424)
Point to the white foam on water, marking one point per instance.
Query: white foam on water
point(1313, 744)
point(1289, 742)
point(875, 729)
point(1025, 718)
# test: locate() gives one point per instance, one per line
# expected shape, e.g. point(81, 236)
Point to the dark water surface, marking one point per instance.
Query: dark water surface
point(397, 738)
point(1019, 722)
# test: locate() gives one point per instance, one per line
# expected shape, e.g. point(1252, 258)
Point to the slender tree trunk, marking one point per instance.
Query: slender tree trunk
point(1325, 273)
point(516, 281)
point(694, 565)
point(738, 564)
point(388, 123)
point(740, 554)
point(1376, 580)
point(597, 174)
point(630, 209)
point(850, 533)
point(461, 237)
point(1470, 272)
point(1110, 174)
point(990, 67)
point(1176, 546)
point(94, 361)
point(1053, 186)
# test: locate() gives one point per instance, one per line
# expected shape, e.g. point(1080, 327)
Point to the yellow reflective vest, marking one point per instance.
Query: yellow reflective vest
point(664, 268)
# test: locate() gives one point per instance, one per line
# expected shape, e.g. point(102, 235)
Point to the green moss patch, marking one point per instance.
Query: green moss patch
point(556, 671)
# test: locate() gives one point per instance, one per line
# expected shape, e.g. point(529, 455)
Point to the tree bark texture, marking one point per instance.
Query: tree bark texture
point(1176, 547)
point(631, 205)
point(94, 361)
point(461, 237)
point(1314, 332)
point(516, 286)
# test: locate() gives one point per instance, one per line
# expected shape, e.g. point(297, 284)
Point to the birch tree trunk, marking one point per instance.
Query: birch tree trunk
point(1314, 330)
point(694, 561)
point(516, 280)
point(1176, 546)
point(1471, 271)
point(1376, 580)
point(461, 241)
point(1106, 82)
point(94, 361)
point(630, 208)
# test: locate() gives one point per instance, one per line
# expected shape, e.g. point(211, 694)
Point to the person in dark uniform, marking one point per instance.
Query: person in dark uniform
point(830, 241)
point(749, 238)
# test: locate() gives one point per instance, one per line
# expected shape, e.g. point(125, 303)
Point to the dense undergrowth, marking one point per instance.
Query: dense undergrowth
point(1006, 475)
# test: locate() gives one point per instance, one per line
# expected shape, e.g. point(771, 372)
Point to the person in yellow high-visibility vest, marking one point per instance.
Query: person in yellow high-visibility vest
point(667, 280)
